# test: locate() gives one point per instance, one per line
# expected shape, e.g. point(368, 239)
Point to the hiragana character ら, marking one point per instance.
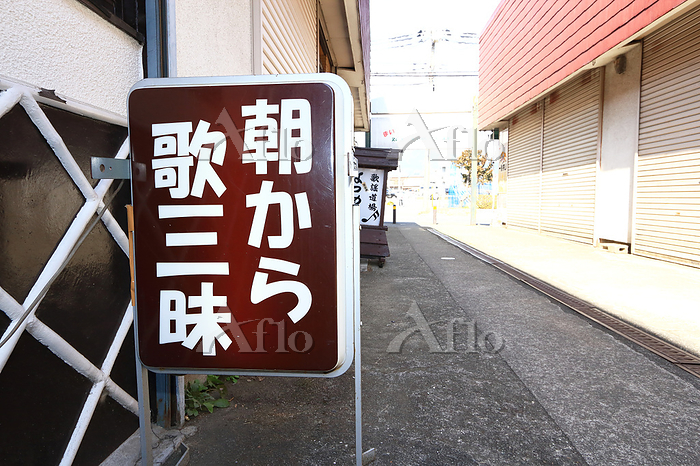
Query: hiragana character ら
point(262, 289)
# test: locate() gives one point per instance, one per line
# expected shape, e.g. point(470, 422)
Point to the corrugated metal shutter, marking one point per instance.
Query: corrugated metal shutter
point(569, 161)
point(524, 157)
point(667, 216)
point(289, 36)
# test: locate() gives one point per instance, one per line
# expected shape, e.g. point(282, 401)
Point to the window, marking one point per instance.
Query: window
point(325, 64)
point(127, 15)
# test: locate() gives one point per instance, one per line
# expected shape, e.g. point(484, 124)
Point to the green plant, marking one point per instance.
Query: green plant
point(198, 395)
point(214, 381)
point(484, 167)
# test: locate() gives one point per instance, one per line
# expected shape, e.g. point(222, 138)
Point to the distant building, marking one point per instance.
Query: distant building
point(67, 375)
point(601, 103)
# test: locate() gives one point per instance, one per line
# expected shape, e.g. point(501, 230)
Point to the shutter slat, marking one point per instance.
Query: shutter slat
point(289, 36)
point(667, 215)
point(571, 132)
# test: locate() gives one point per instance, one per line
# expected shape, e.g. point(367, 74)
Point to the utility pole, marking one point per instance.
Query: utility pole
point(474, 160)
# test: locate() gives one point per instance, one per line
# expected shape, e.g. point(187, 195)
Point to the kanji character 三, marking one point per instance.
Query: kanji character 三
point(262, 289)
point(262, 201)
point(206, 328)
point(174, 172)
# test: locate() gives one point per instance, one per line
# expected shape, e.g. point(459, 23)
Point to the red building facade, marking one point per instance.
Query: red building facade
point(600, 108)
point(529, 46)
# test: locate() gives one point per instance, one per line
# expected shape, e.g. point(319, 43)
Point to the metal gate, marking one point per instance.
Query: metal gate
point(289, 37)
point(67, 351)
point(667, 214)
point(524, 165)
point(569, 160)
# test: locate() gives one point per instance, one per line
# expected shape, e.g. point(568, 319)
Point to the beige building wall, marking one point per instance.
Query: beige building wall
point(212, 37)
point(62, 45)
point(614, 192)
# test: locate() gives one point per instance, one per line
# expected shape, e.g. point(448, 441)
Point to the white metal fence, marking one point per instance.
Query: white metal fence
point(22, 314)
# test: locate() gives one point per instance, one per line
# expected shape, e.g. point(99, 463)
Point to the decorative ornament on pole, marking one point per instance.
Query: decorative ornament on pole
point(493, 149)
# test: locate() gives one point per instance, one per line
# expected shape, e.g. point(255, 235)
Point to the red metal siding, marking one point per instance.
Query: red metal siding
point(530, 45)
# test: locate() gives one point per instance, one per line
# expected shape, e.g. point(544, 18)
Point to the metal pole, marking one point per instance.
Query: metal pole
point(474, 169)
point(156, 48)
point(494, 190)
point(156, 67)
point(358, 393)
point(427, 201)
point(359, 460)
point(144, 414)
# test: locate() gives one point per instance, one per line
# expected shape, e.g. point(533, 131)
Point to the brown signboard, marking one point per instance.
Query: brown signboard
point(242, 241)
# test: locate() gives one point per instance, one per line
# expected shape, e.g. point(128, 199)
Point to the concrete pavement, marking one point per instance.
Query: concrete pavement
point(660, 297)
point(463, 364)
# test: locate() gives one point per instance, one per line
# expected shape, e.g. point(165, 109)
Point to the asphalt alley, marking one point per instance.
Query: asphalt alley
point(463, 364)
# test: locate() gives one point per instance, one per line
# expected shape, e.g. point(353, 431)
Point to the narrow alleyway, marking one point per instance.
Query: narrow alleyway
point(464, 365)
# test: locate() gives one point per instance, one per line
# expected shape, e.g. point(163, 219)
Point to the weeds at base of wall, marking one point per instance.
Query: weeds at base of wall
point(198, 395)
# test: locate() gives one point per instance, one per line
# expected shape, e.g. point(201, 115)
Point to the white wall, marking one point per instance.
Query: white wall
point(614, 194)
point(62, 45)
point(214, 37)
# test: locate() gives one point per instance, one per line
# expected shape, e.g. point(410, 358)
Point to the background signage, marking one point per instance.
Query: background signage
point(370, 184)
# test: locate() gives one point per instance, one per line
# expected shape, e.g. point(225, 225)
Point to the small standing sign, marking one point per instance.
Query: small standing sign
point(243, 238)
point(370, 196)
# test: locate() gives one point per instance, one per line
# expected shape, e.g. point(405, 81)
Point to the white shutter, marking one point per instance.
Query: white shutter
point(524, 156)
point(570, 155)
point(289, 36)
point(667, 214)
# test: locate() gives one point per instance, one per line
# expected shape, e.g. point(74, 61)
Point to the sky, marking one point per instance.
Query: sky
point(402, 37)
point(394, 17)
point(410, 40)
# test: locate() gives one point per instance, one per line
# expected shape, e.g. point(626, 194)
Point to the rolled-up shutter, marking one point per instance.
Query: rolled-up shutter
point(667, 215)
point(569, 161)
point(289, 36)
point(524, 156)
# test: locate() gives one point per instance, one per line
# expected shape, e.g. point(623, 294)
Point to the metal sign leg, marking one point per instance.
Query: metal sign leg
point(144, 415)
point(358, 396)
point(370, 455)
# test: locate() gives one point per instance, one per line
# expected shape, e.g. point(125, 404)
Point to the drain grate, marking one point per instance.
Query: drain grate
point(681, 358)
point(692, 368)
